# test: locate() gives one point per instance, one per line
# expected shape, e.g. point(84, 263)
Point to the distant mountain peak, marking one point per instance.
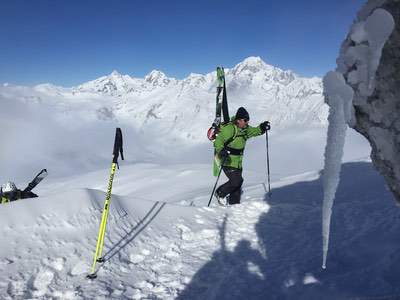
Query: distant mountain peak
point(252, 64)
point(254, 61)
point(154, 75)
point(115, 73)
point(157, 77)
point(195, 75)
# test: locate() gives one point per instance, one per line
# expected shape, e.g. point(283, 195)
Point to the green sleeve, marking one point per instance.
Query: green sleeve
point(223, 136)
point(253, 131)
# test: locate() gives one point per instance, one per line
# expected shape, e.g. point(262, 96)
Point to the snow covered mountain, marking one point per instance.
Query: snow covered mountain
point(69, 130)
point(183, 109)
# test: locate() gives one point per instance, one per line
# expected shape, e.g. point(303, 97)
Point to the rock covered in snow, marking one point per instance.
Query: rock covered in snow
point(370, 63)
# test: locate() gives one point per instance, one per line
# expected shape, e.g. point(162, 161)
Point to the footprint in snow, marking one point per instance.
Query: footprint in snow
point(41, 282)
point(146, 252)
point(185, 232)
point(65, 295)
point(80, 268)
point(133, 293)
point(199, 219)
point(16, 289)
point(160, 267)
point(136, 258)
point(209, 234)
point(172, 253)
point(207, 209)
point(56, 264)
point(146, 285)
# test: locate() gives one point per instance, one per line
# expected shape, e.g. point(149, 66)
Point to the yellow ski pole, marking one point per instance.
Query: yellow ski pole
point(104, 217)
point(106, 211)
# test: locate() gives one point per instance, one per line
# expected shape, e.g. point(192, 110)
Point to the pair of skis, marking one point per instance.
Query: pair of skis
point(35, 181)
point(98, 258)
point(221, 108)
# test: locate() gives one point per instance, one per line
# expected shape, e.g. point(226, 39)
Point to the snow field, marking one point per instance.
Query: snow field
point(166, 250)
point(153, 248)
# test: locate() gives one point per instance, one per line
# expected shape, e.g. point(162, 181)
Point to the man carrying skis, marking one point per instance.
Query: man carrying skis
point(229, 145)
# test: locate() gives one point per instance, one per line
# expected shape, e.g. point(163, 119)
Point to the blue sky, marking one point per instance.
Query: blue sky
point(69, 42)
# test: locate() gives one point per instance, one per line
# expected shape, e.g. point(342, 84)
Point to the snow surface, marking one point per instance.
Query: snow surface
point(169, 245)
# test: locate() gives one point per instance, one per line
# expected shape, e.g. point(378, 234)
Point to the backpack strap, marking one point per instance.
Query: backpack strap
point(233, 137)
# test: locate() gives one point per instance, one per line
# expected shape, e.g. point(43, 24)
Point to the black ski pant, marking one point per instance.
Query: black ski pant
point(233, 187)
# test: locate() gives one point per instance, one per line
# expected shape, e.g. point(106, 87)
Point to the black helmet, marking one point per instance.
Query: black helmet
point(242, 114)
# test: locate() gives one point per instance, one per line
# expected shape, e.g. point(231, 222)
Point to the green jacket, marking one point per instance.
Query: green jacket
point(236, 139)
point(4, 200)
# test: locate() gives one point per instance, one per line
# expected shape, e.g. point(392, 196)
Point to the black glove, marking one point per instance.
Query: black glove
point(264, 126)
point(223, 154)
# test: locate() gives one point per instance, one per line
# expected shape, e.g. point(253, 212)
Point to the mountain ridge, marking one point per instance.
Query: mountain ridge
point(183, 109)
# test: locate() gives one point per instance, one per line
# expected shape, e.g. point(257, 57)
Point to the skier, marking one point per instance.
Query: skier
point(229, 145)
point(9, 192)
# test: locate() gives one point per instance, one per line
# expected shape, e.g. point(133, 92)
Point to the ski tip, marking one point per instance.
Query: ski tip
point(324, 267)
point(91, 276)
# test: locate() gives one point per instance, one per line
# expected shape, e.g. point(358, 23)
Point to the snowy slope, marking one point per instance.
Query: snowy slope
point(167, 245)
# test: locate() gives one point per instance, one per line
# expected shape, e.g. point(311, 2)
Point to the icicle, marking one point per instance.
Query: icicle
point(338, 95)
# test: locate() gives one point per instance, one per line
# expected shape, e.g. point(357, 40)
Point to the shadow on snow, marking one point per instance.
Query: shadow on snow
point(363, 259)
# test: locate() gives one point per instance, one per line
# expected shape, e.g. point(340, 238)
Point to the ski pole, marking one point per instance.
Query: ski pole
point(216, 182)
point(268, 173)
point(104, 217)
